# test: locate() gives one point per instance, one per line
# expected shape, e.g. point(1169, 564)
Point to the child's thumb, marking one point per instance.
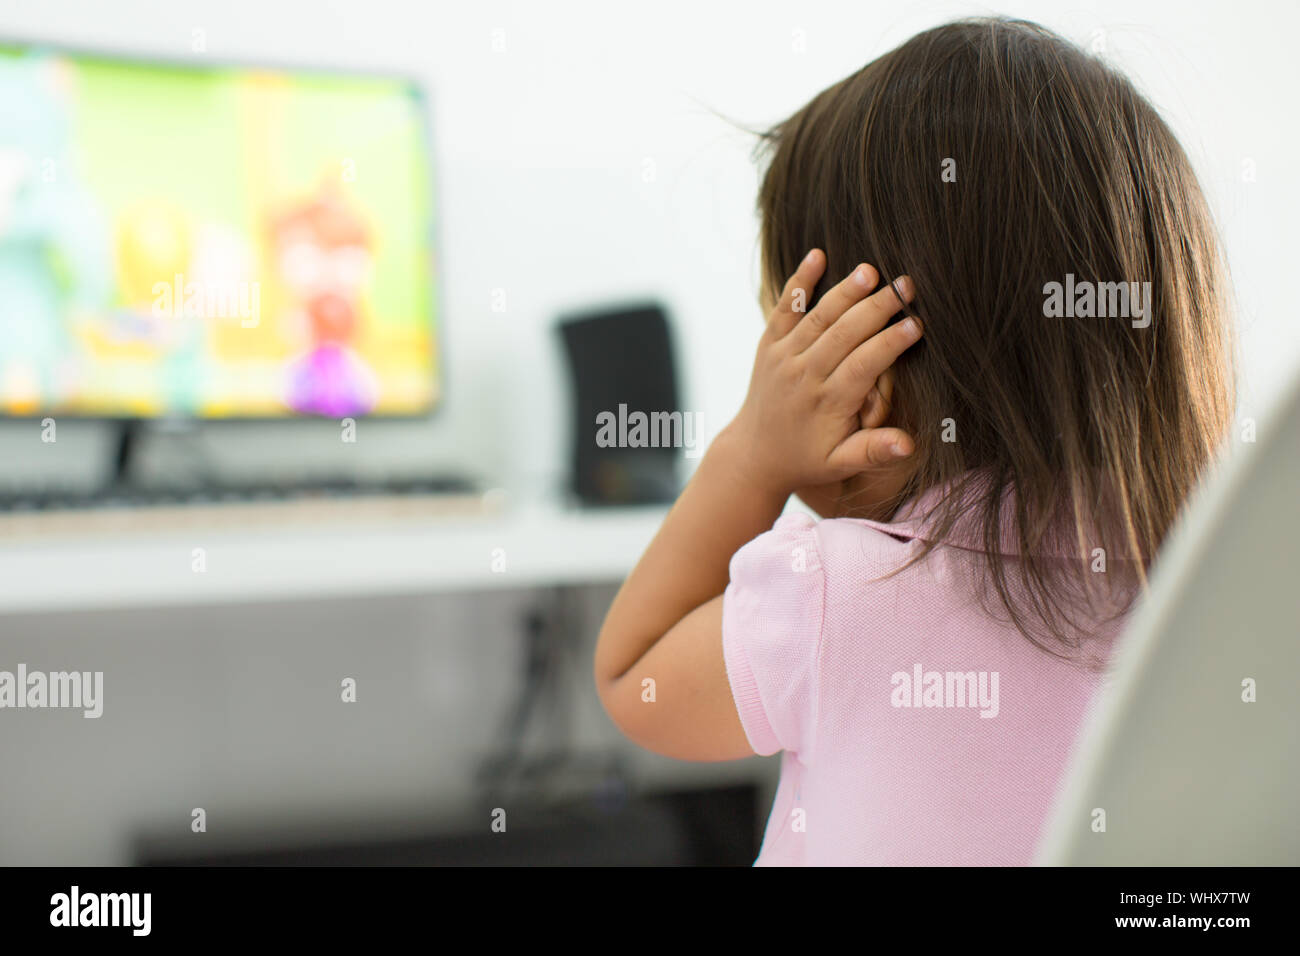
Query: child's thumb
point(871, 447)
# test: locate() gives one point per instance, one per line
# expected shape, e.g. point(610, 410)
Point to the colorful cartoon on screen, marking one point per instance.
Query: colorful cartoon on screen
point(225, 243)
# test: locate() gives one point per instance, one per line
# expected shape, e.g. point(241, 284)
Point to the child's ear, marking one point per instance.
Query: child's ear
point(767, 293)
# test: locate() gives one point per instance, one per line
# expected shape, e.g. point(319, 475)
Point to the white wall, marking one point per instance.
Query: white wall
point(236, 709)
point(542, 150)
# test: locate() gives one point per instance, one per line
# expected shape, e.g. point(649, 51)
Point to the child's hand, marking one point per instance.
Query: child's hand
point(871, 493)
point(806, 421)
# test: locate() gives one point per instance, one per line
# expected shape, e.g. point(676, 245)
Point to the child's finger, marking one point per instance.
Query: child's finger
point(857, 325)
point(864, 365)
point(833, 304)
point(869, 448)
point(794, 297)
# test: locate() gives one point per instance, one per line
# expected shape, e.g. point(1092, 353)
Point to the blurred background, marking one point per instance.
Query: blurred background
point(299, 305)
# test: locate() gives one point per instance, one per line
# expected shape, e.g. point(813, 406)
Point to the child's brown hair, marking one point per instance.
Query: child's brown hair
point(988, 160)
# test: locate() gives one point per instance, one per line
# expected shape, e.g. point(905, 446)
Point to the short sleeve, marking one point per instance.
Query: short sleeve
point(771, 631)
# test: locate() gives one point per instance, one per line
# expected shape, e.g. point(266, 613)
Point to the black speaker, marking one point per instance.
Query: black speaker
point(628, 425)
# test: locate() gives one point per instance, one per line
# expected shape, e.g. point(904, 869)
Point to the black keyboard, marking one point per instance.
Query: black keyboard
point(54, 499)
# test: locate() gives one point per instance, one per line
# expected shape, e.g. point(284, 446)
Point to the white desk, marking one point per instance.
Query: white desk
point(328, 549)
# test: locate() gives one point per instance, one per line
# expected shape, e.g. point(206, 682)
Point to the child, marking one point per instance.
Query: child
point(997, 376)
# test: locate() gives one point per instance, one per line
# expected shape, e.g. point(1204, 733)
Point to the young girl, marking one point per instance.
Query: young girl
point(997, 375)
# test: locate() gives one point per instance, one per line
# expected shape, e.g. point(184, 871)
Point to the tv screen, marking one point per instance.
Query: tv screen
point(223, 242)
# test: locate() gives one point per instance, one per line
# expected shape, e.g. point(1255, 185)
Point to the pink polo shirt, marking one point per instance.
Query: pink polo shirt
point(916, 728)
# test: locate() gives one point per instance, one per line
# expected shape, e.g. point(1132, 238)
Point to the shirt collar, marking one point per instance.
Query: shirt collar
point(917, 519)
